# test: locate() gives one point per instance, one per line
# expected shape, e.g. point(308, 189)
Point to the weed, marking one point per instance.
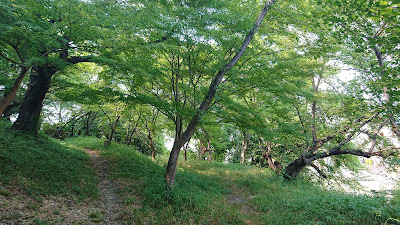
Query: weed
point(4, 192)
point(96, 217)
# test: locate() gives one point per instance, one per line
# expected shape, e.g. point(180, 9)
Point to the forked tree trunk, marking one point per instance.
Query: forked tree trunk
point(267, 149)
point(113, 128)
point(179, 142)
point(29, 113)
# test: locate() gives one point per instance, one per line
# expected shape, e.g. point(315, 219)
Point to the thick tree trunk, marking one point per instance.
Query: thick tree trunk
point(172, 163)
point(4, 102)
point(31, 107)
point(294, 168)
point(179, 142)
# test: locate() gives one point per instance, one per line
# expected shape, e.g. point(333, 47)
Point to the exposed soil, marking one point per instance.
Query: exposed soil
point(110, 202)
point(240, 199)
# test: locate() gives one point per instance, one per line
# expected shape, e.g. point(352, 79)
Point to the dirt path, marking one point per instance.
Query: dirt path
point(110, 202)
point(240, 199)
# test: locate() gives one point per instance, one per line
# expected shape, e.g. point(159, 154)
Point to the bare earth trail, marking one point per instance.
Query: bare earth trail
point(109, 202)
point(17, 207)
point(241, 199)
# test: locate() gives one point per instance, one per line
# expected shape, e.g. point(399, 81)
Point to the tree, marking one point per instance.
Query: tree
point(51, 50)
point(18, 33)
point(368, 32)
point(180, 141)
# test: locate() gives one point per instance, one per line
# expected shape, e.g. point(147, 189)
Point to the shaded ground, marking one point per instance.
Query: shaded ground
point(17, 207)
point(241, 199)
point(110, 202)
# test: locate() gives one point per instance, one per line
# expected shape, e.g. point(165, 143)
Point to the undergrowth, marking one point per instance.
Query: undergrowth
point(203, 194)
point(196, 198)
point(39, 165)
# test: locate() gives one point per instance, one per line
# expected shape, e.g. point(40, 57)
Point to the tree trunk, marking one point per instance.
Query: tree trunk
point(209, 150)
point(202, 151)
point(13, 92)
point(31, 107)
point(294, 168)
point(245, 145)
point(152, 146)
point(179, 142)
point(87, 124)
point(172, 163)
point(113, 128)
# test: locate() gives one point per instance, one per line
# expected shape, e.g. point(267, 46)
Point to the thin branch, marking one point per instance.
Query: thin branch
point(2, 55)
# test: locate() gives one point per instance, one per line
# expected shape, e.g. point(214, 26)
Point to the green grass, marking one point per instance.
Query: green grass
point(42, 166)
point(202, 194)
point(196, 199)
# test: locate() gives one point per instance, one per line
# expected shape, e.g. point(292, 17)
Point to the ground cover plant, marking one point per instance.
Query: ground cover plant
point(41, 166)
point(216, 193)
point(221, 193)
point(295, 91)
point(43, 181)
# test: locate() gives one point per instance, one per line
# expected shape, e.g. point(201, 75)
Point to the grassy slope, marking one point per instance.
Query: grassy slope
point(231, 194)
point(204, 194)
point(40, 166)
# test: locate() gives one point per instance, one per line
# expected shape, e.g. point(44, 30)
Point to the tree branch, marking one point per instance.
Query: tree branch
point(79, 59)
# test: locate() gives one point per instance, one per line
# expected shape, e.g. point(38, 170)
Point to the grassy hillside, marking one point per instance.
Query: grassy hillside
point(35, 170)
point(232, 194)
point(41, 166)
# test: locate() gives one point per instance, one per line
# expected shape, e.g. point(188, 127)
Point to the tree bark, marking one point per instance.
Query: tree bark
point(113, 128)
point(245, 145)
point(4, 102)
point(209, 150)
point(178, 143)
point(294, 168)
point(267, 149)
point(152, 145)
point(31, 107)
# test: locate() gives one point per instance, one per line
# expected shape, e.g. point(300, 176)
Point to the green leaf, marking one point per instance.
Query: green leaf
point(383, 3)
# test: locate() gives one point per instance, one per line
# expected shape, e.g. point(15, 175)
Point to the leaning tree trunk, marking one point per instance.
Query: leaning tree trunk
point(179, 142)
point(6, 101)
point(294, 168)
point(31, 107)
